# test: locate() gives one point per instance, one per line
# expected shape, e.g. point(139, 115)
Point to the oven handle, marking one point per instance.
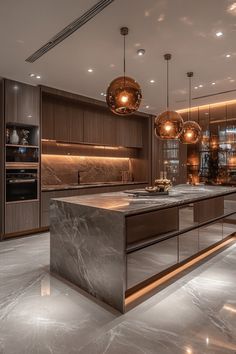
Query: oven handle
point(13, 181)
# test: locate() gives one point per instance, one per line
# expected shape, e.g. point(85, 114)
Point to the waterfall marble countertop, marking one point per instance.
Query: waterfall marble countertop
point(62, 187)
point(128, 205)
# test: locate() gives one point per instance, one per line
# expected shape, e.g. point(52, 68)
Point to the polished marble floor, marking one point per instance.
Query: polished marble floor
point(40, 314)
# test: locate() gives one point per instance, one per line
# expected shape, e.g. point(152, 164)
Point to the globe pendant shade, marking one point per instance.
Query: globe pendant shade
point(168, 125)
point(123, 96)
point(191, 132)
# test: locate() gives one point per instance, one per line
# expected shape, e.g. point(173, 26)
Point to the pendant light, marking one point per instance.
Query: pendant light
point(191, 130)
point(124, 94)
point(169, 124)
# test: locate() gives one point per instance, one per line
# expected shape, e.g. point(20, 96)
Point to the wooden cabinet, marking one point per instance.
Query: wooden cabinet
point(21, 103)
point(62, 120)
point(76, 123)
point(21, 217)
point(129, 131)
point(93, 126)
point(47, 118)
point(73, 122)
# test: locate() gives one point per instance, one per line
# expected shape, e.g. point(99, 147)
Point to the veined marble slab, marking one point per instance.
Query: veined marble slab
point(128, 205)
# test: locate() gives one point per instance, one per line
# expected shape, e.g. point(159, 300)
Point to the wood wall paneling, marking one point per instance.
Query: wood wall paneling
point(2, 150)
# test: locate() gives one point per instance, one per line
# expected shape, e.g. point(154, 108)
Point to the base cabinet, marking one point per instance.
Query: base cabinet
point(210, 234)
point(229, 225)
point(188, 244)
point(21, 217)
point(151, 260)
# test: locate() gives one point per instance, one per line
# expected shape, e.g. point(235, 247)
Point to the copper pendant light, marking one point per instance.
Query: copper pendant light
point(124, 94)
point(169, 124)
point(191, 130)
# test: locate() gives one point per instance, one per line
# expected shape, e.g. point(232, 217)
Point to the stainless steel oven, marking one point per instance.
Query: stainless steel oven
point(21, 184)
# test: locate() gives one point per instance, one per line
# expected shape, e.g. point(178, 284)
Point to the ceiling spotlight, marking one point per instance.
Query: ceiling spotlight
point(32, 75)
point(141, 52)
point(152, 81)
point(213, 83)
point(219, 34)
point(147, 107)
point(102, 94)
point(196, 87)
point(38, 77)
point(228, 55)
point(200, 86)
point(90, 70)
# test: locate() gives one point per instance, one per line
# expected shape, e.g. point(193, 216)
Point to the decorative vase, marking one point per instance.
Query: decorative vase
point(14, 138)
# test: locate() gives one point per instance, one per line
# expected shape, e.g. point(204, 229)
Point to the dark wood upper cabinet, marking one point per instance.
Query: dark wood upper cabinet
point(129, 131)
point(48, 118)
point(93, 126)
point(21, 103)
point(76, 123)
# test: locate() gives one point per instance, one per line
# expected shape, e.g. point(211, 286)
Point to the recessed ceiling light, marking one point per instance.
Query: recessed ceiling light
point(200, 86)
point(232, 80)
point(219, 34)
point(38, 77)
point(141, 52)
point(147, 107)
point(213, 83)
point(228, 55)
point(196, 87)
point(90, 70)
point(102, 94)
point(32, 75)
point(152, 81)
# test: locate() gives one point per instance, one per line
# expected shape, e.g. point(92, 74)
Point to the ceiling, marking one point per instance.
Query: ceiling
point(185, 28)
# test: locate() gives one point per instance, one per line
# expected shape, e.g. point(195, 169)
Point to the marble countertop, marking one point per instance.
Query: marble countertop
point(61, 187)
point(128, 205)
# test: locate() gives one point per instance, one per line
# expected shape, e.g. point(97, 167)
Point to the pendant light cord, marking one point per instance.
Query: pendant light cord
point(167, 86)
point(124, 59)
point(189, 75)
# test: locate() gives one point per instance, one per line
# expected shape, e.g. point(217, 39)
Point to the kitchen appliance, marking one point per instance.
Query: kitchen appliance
point(21, 154)
point(21, 184)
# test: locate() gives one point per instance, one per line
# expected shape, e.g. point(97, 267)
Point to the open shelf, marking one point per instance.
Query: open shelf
point(23, 146)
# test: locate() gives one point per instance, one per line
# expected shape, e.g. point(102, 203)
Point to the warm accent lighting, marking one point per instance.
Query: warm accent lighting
point(169, 124)
point(204, 107)
point(191, 132)
point(124, 93)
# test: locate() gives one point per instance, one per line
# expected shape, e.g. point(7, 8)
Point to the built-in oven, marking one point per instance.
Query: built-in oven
point(21, 184)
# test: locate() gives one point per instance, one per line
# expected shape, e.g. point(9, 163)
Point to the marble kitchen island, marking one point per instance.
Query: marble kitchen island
point(113, 244)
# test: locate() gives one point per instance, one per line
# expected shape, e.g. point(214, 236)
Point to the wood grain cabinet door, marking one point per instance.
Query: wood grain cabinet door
point(93, 126)
point(21, 103)
point(62, 120)
point(129, 132)
point(110, 129)
point(21, 217)
point(76, 123)
point(48, 118)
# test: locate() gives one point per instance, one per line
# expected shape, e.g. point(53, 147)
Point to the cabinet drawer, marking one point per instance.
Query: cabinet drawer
point(21, 217)
point(188, 244)
point(142, 226)
point(209, 209)
point(149, 261)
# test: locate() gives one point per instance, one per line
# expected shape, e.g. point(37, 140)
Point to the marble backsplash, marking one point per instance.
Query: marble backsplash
point(58, 169)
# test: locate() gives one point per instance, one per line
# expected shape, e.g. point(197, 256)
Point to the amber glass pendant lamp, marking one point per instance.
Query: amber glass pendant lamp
point(191, 130)
point(124, 93)
point(169, 124)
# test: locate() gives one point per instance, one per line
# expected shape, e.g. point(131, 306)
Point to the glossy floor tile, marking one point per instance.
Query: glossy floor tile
point(40, 314)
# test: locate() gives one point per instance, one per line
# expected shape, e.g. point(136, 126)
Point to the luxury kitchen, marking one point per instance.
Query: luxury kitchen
point(118, 177)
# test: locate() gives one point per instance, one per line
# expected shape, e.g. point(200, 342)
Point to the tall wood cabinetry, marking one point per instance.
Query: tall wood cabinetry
point(21, 114)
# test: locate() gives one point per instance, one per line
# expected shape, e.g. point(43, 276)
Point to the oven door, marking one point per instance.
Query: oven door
point(21, 190)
